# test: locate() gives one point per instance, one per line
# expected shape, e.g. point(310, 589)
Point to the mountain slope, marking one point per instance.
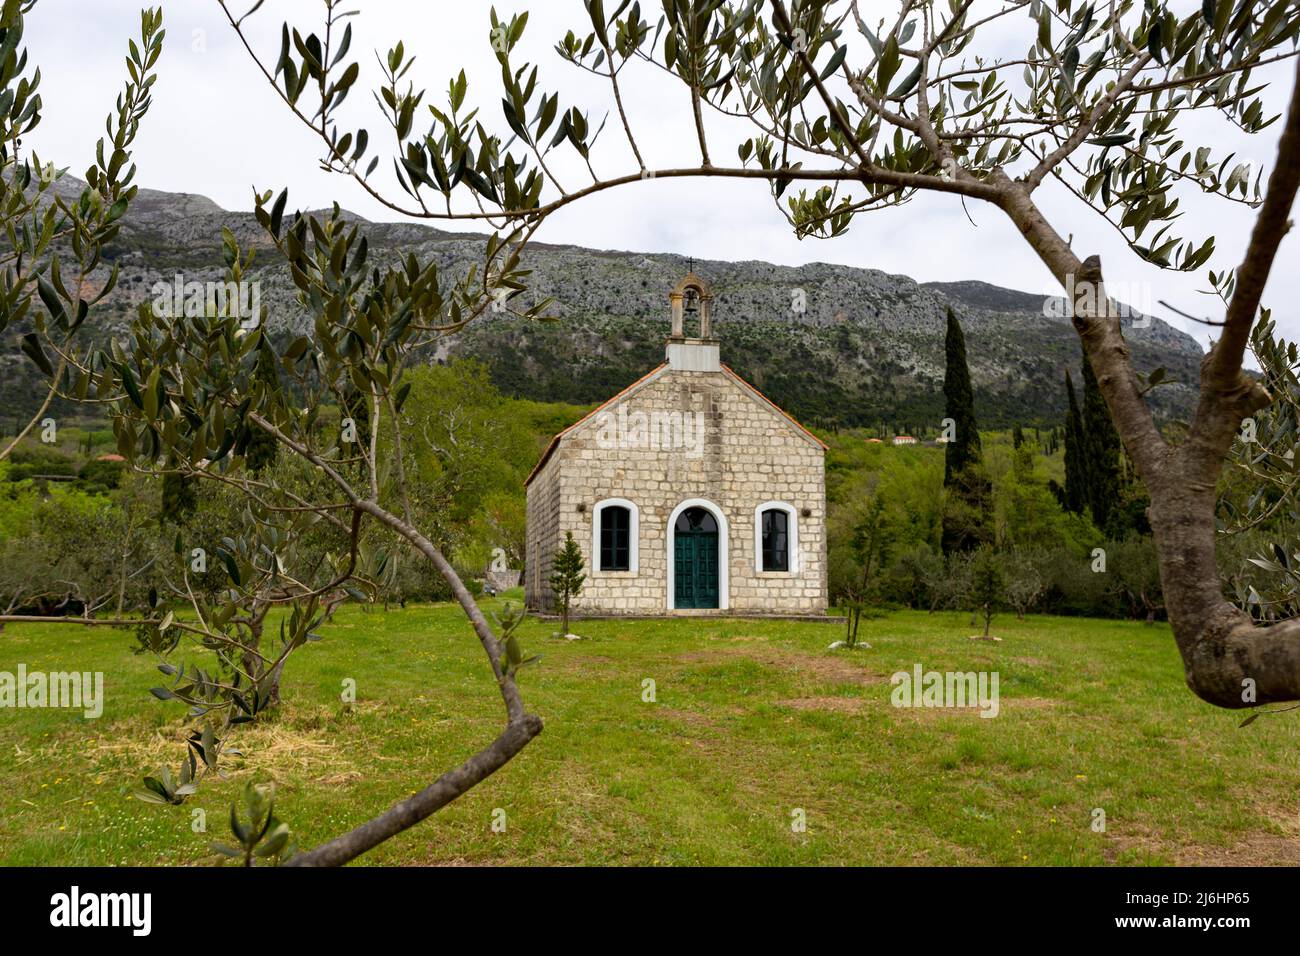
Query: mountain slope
point(866, 349)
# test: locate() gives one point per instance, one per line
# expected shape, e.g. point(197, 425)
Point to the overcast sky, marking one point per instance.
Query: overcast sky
point(217, 128)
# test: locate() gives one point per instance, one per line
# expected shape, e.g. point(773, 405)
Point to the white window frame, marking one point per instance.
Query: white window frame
point(792, 536)
point(633, 533)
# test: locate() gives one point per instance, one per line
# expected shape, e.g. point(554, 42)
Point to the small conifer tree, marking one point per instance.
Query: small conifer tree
point(567, 576)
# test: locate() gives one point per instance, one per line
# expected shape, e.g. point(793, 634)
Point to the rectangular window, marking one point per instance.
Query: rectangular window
point(776, 537)
point(615, 538)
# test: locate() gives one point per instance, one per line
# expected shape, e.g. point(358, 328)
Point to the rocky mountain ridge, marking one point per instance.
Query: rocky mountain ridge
point(834, 345)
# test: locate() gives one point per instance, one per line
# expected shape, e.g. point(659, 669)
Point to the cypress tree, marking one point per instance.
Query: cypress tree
point(1076, 478)
point(968, 512)
point(1101, 459)
point(1017, 437)
point(959, 404)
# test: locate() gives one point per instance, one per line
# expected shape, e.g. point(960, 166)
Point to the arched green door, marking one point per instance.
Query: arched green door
point(695, 559)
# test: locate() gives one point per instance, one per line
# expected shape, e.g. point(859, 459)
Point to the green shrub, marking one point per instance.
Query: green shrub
point(29, 461)
point(101, 476)
point(909, 579)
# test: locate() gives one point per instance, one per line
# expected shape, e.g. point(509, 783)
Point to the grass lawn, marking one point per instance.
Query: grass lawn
point(753, 720)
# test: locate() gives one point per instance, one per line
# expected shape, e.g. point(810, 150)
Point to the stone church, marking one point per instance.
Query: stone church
point(689, 492)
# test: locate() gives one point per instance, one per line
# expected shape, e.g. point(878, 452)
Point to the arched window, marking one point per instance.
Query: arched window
point(776, 540)
point(614, 532)
point(696, 519)
point(776, 537)
point(615, 538)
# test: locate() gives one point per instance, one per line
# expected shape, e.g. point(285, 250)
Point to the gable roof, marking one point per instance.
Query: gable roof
point(646, 380)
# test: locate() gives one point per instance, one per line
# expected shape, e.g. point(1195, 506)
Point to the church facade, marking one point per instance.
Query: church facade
point(689, 493)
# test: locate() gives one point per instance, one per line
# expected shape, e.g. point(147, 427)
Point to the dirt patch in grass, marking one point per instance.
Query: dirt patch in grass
point(1257, 849)
point(338, 779)
point(936, 713)
point(691, 717)
point(740, 638)
point(457, 861)
point(829, 668)
point(1276, 845)
point(1014, 704)
point(1029, 703)
point(835, 705)
point(580, 662)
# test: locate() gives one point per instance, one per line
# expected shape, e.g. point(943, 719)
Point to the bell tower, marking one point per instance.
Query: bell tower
point(692, 302)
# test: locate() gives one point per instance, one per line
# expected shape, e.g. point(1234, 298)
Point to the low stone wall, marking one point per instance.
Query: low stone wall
point(502, 580)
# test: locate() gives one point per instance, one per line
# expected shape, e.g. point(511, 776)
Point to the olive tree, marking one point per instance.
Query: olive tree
point(849, 113)
point(1264, 460)
point(52, 271)
point(193, 395)
point(197, 397)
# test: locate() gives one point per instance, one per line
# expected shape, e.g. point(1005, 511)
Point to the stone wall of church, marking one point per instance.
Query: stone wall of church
point(544, 537)
point(707, 437)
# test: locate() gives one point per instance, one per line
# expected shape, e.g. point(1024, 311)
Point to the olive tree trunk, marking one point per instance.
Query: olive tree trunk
point(1224, 652)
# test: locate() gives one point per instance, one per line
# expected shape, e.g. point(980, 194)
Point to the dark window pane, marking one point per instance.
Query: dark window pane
point(776, 540)
point(615, 538)
point(696, 519)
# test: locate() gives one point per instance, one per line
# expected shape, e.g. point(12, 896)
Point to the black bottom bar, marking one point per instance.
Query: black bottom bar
point(905, 904)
